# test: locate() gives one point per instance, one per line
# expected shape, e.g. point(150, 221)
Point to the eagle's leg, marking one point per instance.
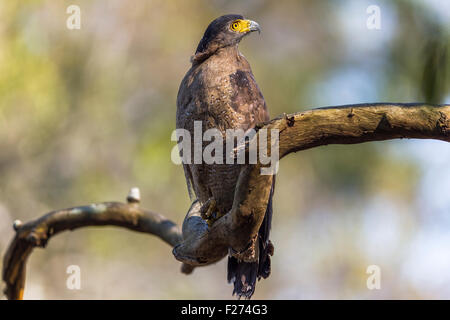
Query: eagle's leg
point(209, 211)
point(208, 208)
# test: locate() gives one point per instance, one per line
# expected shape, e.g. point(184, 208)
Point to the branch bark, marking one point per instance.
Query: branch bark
point(235, 233)
point(361, 123)
point(37, 233)
point(331, 125)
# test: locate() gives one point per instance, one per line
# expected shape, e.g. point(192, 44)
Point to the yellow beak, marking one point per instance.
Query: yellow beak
point(250, 26)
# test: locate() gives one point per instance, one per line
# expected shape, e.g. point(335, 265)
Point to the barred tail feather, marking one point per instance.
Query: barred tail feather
point(244, 274)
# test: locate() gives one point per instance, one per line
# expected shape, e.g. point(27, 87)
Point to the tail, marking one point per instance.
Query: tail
point(244, 274)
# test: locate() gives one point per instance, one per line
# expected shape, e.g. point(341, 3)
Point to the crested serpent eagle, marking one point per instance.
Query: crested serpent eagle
point(219, 91)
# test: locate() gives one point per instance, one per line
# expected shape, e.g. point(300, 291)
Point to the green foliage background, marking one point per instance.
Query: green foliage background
point(86, 114)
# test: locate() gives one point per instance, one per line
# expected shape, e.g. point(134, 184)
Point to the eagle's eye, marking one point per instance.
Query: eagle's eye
point(235, 26)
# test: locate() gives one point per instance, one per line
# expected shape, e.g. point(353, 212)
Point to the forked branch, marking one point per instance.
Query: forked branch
point(197, 244)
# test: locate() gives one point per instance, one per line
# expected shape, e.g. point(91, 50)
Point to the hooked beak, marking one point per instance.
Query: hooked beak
point(252, 26)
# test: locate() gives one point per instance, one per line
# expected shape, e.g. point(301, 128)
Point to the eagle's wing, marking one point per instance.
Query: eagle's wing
point(222, 93)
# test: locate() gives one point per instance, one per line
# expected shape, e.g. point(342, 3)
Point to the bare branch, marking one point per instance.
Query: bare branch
point(198, 244)
point(350, 124)
point(37, 233)
point(361, 123)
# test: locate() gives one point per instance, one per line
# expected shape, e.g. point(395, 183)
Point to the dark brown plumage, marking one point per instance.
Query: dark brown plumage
point(220, 91)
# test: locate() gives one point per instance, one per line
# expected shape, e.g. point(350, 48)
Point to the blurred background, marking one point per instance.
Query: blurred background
point(86, 114)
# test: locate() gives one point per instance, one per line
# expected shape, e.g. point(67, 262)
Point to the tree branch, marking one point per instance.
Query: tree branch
point(361, 123)
point(333, 125)
point(198, 244)
point(37, 233)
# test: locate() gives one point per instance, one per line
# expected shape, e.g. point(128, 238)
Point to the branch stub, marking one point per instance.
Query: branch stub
point(134, 196)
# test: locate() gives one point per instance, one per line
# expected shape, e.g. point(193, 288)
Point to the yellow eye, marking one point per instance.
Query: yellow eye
point(235, 26)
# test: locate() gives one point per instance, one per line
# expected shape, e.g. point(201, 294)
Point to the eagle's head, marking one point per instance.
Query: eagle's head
point(223, 32)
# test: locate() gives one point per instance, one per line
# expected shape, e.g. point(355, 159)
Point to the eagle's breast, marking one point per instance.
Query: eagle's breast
point(222, 93)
